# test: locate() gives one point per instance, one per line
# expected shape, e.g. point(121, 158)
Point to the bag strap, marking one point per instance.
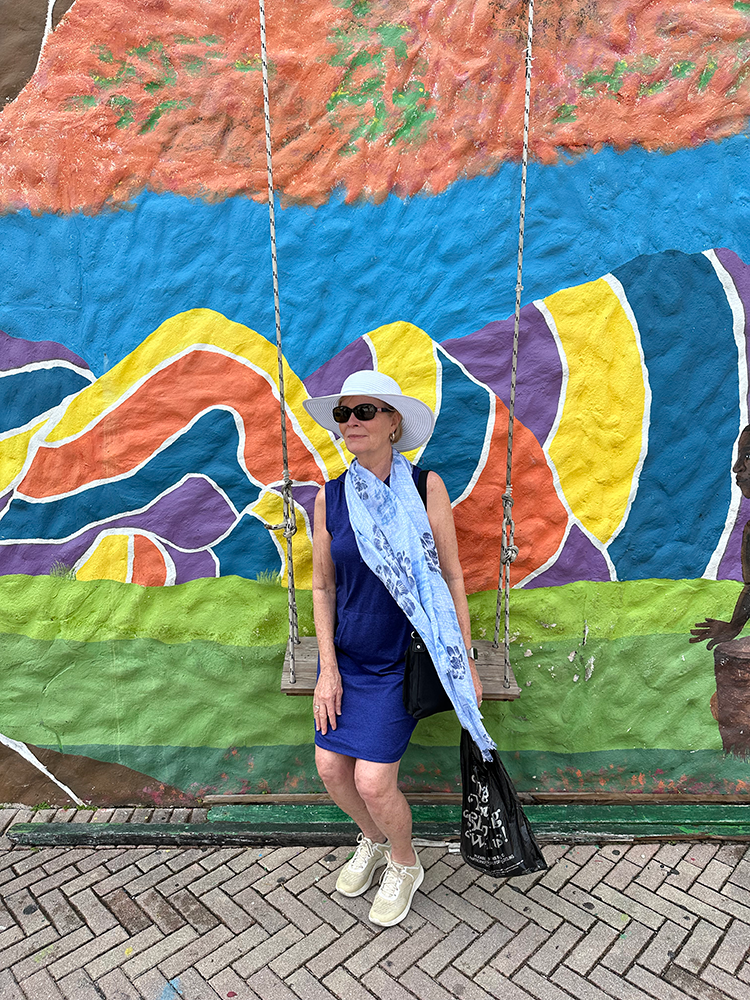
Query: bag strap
point(422, 485)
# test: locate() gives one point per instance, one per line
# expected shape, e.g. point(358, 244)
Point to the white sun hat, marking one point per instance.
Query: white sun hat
point(418, 419)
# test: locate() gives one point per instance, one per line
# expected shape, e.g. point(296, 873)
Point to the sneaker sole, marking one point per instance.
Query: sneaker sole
point(391, 923)
point(366, 886)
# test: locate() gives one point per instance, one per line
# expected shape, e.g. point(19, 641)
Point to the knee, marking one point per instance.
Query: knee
point(374, 787)
point(332, 768)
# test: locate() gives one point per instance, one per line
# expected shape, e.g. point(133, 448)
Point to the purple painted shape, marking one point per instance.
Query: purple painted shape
point(191, 565)
point(193, 516)
point(330, 377)
point(38, 559)
point(16, 352)
point(305, 497)
point(739, 272)
point(579, 560)
point(730, 567)
point(488, 355)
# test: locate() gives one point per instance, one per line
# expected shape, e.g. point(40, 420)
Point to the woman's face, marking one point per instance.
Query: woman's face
point(368, 437)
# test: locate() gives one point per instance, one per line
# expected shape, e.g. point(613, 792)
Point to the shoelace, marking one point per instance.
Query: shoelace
point(391, 879)
point(362, 854)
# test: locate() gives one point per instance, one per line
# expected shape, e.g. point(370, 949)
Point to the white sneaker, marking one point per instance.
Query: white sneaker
point(398, 884)
point(357, 874)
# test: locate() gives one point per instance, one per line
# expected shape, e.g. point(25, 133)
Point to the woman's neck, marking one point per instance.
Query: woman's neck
point(378, 465)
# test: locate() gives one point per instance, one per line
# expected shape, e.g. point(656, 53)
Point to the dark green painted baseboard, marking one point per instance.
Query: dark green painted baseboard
point(312, 824)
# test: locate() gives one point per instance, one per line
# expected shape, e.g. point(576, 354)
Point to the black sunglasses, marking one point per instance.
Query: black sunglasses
point(362, 411)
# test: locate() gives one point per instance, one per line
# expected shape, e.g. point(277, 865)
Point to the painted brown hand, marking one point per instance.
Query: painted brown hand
point(715, 631)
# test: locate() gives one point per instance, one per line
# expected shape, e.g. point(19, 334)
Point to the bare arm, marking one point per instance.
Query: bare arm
point(328, 690)
point(717, 631)
point(440, 514)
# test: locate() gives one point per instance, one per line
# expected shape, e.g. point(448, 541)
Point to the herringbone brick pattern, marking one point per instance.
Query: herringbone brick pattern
point(626, 921)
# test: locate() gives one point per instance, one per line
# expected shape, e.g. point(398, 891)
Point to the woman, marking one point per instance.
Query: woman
point(362, 728)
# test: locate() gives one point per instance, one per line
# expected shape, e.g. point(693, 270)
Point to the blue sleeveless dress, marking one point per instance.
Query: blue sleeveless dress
point(371, 637)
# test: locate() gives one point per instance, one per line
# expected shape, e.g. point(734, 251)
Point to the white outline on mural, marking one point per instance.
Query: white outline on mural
point(23, 751)
point(36, 366)
point(132, 513)
point(94, 483)
point(166, 363)
point(130, 533)
point(489, 430)
point(572, 519)
point(738, 329)
point(635, 480)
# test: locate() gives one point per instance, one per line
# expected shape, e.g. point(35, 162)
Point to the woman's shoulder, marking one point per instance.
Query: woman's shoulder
point(334, 488)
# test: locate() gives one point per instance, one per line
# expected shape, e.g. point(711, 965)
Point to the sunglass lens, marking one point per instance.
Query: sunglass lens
point(363, 411)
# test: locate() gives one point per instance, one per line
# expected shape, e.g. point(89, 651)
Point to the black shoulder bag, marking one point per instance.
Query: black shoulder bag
point(424, 695)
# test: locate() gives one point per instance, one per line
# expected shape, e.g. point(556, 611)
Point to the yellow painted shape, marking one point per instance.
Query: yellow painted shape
point(598, 442)
point(270, 508)
point(108, 561)
point(173, 337)
point(13, 452)
point(407, 354)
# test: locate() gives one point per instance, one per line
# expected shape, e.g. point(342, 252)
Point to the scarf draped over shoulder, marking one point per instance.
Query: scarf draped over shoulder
point(394, 538)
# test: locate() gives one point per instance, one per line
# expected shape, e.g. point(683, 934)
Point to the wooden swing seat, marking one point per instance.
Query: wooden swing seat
point(490, 664)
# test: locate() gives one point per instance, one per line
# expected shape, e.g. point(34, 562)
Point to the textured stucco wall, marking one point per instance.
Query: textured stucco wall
point(139, 450)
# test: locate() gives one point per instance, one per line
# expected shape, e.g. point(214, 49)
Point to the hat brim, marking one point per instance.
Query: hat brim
point(418, 420)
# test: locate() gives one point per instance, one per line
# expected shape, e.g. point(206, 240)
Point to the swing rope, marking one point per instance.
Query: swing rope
point(289, 524)
point(508, 548)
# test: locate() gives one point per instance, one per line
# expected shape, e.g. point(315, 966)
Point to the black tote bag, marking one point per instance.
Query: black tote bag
point(496, 837)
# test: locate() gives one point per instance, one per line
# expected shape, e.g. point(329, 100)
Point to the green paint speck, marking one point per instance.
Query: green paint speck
point(565, 113)
point(82, 101)
point(705, 78)
point(150, 124)
point(125, 106)
point(682, 69)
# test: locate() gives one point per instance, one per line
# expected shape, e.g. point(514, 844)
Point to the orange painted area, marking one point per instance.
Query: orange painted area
point(161, 407)
point(539, 515)
point(373, 96)
point(148, 563)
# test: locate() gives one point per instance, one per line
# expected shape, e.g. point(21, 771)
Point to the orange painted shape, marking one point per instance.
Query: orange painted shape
point(149, 569)
point(539, 515)
point(161, 407)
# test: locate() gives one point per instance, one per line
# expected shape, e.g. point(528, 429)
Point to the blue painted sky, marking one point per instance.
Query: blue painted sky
point(447, 263)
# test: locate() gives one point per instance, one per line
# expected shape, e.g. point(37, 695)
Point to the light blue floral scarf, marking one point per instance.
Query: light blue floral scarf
point(394, 539)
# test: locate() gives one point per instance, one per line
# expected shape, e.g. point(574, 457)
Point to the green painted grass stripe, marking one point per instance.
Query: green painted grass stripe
point(233, 611)
point(648, 692)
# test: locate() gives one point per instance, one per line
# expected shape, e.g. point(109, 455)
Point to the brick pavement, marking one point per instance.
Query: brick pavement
point(627, 921)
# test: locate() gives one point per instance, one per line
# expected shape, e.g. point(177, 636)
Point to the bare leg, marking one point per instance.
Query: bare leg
point(337, 773)
point(385, 803)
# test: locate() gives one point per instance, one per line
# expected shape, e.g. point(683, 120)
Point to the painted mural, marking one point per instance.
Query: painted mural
point(142, 617)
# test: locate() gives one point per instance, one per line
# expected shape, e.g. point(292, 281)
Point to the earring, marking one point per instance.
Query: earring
point(392, 436)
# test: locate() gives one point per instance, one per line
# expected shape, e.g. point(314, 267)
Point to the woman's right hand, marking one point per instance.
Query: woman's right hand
point(327, 700)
